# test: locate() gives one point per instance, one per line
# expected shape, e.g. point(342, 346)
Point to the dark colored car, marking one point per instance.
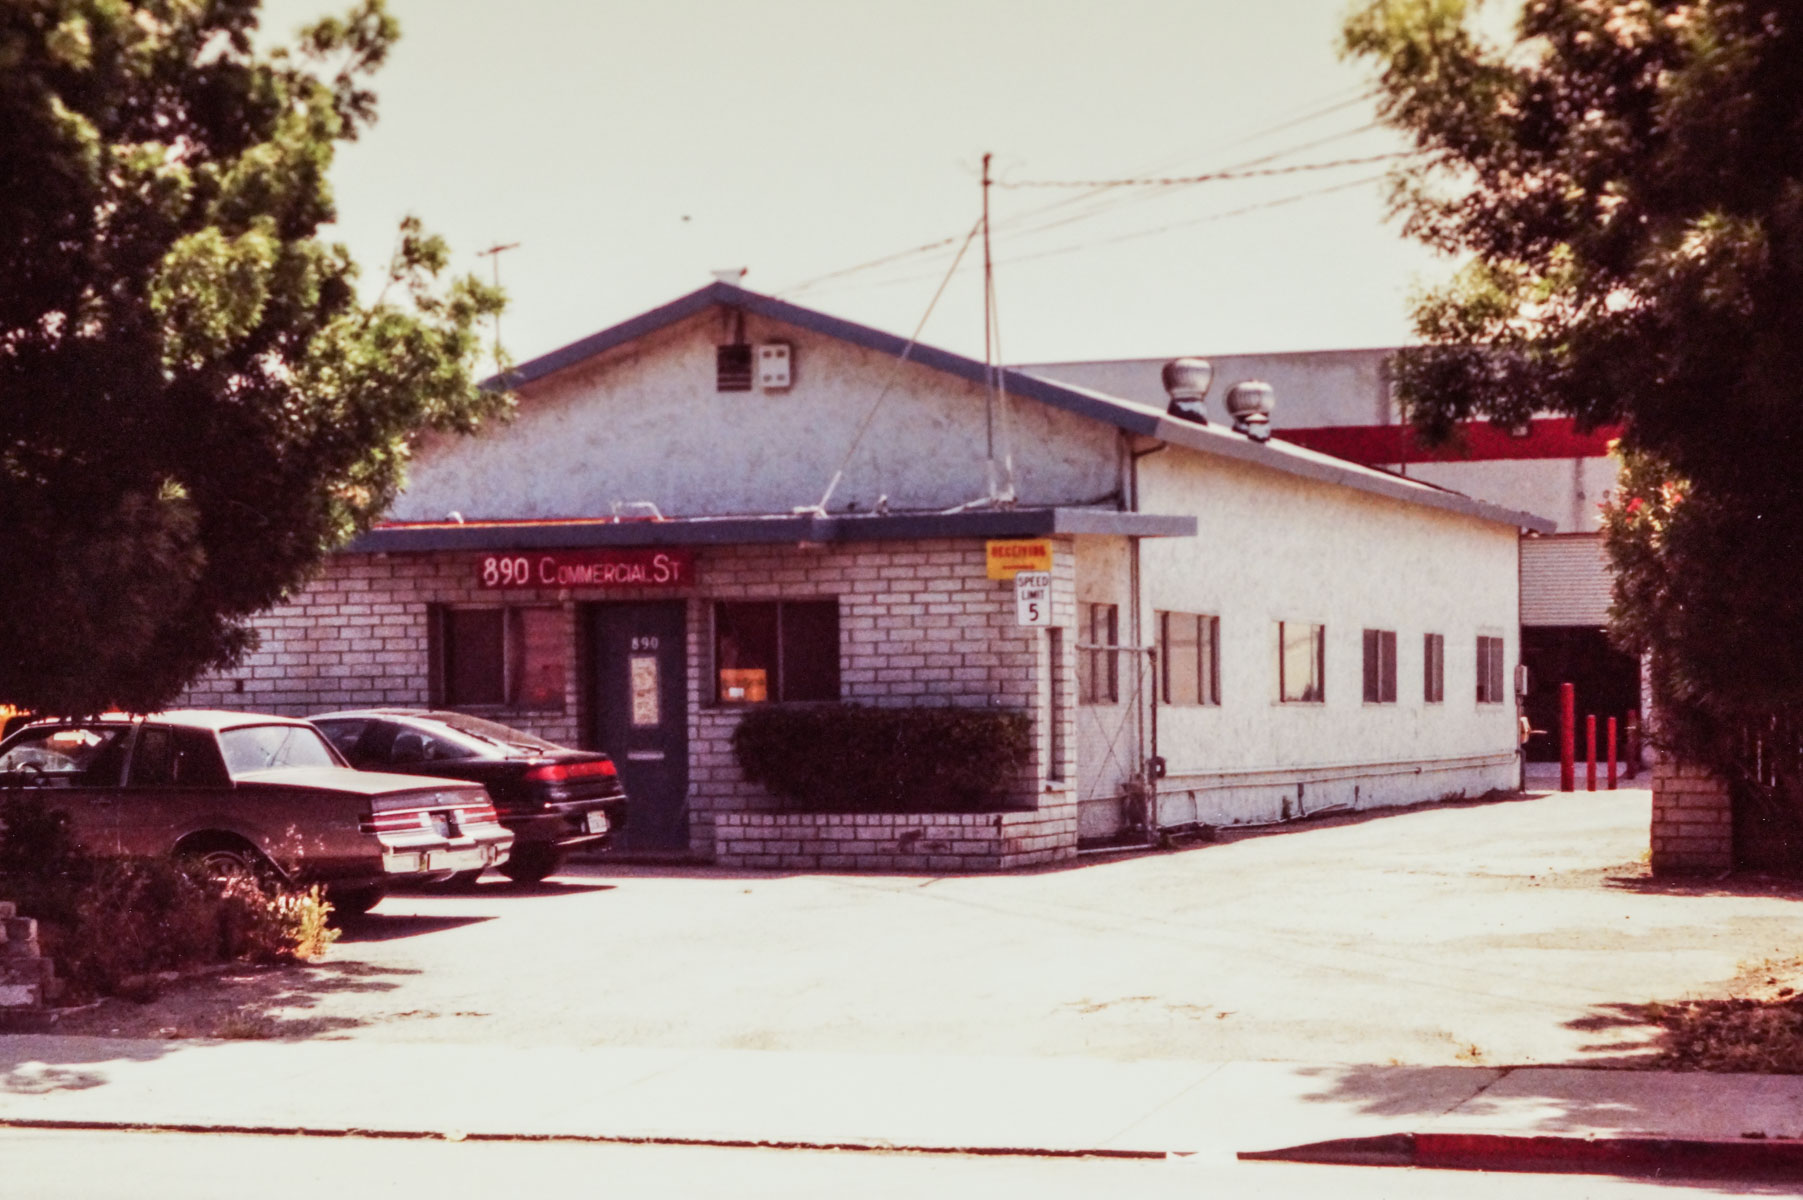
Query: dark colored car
point(241, 792)
point(552, 797)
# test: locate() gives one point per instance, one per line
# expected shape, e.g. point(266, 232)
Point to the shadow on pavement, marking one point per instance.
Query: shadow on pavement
point(378, 927)
point(245, 1004)
point(1749, 883)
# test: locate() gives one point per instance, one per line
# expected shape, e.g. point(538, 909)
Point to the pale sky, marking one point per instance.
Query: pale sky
point(633, 146)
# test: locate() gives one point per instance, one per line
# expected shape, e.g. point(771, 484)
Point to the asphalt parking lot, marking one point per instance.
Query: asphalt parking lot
point(1514, 932)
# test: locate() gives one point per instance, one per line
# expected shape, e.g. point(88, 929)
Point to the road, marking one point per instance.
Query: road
point(70, 1165)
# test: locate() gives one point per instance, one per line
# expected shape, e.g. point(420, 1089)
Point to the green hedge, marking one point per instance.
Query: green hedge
point(855, 758)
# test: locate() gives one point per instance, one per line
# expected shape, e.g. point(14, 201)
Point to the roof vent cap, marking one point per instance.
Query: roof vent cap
point(1250, 404)
point(1186, 380)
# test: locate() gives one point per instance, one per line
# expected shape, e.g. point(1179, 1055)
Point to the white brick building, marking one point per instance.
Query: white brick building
point(1240, 631)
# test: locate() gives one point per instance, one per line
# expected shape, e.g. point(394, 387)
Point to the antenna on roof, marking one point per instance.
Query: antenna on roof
point(495, 252)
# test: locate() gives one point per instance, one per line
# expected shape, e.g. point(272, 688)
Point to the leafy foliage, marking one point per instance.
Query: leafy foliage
point(194, 405)
point(854, 758)
point(111, 924)
point(1627, 179)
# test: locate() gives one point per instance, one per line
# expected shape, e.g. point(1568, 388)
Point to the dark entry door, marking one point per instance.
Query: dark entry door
point(641, 715)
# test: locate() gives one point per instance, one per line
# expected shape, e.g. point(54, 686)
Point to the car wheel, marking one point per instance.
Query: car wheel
point(354, 902)
point(531, 862)
point(223, 862)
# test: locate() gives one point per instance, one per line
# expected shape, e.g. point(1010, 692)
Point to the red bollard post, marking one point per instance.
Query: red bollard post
point(1590, 752)
point(1612, 754)
point(1567, 732)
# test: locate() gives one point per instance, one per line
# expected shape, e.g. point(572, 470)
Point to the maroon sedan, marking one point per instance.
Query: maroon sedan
point(245, 792)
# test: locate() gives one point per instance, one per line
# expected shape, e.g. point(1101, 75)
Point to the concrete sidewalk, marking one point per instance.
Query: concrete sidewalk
point(926, 1102)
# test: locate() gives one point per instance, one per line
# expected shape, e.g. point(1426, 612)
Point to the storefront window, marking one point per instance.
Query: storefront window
point(775, 650)
point(504, 657)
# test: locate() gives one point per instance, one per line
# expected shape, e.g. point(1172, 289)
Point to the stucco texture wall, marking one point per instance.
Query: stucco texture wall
point(644, 422)
point(1275, 548)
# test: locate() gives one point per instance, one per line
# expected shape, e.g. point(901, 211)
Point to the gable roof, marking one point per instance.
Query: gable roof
point(1127, 415)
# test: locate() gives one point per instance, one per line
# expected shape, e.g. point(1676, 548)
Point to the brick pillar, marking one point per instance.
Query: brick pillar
point(1693, 821)
point(27, 980)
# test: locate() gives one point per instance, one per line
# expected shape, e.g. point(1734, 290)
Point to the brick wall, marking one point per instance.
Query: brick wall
point(920, 623)
point(1693, 823)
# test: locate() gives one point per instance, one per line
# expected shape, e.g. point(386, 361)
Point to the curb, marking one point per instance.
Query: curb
point(648, 1139)
point(1695, 1158)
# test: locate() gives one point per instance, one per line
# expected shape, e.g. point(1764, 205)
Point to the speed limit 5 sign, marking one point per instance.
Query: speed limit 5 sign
point(1033, 598)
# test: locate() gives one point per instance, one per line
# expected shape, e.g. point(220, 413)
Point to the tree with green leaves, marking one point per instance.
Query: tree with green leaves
point(195, 405)
point(1625, 181)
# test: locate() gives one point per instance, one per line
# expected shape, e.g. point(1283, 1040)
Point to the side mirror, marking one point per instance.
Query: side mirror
point(1523, 681)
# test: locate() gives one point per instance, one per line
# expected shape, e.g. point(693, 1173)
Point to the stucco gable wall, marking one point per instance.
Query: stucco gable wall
point(643, 422)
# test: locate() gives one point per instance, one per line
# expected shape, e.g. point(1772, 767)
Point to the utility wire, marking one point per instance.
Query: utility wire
point(1210, 177)
point(894, 373)
point(941, 243)
point(1134, 235)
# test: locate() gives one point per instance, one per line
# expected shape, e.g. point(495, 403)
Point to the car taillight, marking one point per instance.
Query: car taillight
point(562, 771)
point(396, 821)
point(478, 814)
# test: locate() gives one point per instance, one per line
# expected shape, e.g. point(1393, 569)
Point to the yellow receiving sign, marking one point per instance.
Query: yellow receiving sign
point(1007, 559)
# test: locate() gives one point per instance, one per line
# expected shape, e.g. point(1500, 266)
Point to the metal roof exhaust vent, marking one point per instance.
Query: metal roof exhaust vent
point(1250, 404)
point(1186, 379)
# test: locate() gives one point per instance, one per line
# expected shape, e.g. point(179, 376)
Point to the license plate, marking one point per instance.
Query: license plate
point(596, 822)
point(455, 860)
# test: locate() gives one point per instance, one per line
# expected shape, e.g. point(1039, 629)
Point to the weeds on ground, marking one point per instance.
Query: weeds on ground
point(113, 926)
point(1760, 1030)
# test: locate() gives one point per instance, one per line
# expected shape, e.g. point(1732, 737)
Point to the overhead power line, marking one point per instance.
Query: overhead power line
point(1336, 103)
point(1209, 177)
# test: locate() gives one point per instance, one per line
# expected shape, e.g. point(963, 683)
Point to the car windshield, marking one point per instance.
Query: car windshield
point(252, 748)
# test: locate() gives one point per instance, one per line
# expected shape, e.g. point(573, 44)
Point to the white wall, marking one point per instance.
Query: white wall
point(644, 422)
point(1566, 490)
point(1272, 547)
point(1319, 387)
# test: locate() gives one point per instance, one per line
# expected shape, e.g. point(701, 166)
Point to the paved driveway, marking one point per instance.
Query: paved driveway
point(1500, 933)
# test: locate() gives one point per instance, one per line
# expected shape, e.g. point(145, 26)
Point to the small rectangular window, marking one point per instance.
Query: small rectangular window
point(1098, 654)
point(776, 650)
point(1301, 662)
point(493, 657)
point(1380, 666)
point(1189, 647)
point(1489, 670)
point(1433, 668)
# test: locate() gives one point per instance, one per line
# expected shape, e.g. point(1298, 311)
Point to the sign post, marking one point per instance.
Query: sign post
point(1033, 598)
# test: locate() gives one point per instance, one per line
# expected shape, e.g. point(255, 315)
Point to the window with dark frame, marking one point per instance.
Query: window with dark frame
point(1098, 654)
point(771, 651)
point(500, 657)
point(1380, 666)
point(1301, 662)
point(1189, 648)
point(1489, 670)
point(1433, 668)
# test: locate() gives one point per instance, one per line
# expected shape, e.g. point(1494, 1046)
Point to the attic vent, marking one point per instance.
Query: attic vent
point(732, 367)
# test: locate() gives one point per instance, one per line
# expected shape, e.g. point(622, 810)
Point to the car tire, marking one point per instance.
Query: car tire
point(530, 863)
point(348, 903)
point(222, 861)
